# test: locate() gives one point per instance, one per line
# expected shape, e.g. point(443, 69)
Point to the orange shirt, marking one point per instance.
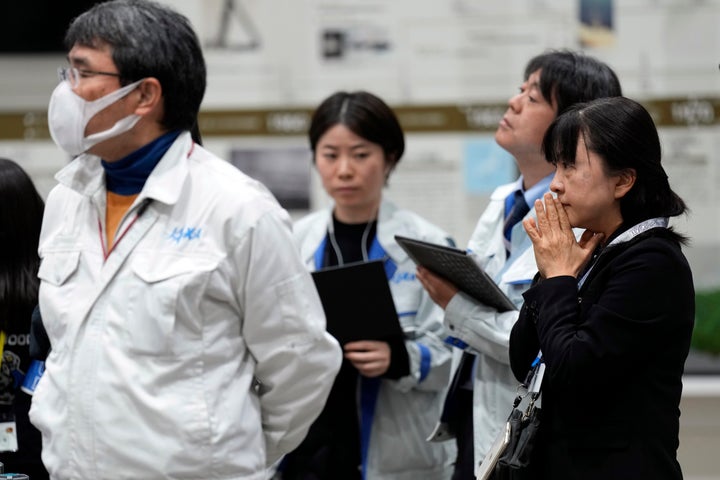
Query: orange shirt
point(117, 205)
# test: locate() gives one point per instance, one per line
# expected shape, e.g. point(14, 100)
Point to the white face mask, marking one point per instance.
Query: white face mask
point(69, 114)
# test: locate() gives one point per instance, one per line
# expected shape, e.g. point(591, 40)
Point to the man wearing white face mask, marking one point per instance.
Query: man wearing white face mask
point(187, 337)
point(69, 113)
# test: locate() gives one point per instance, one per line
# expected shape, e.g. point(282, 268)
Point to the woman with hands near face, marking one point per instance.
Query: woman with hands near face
point(591, 197)
point(611, 312)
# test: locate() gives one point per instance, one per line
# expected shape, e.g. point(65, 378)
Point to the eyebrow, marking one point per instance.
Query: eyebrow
point(352, 147)
point(77, 61)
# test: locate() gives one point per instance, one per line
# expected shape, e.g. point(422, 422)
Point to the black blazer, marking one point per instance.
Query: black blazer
point(614, 353)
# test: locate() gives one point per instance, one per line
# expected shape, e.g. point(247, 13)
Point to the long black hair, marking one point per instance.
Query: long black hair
point(21, 211)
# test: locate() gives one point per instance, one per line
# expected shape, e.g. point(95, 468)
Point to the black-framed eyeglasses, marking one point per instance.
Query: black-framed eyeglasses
point(73, 74)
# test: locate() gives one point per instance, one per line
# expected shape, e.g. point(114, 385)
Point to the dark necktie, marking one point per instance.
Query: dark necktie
point(517, 212)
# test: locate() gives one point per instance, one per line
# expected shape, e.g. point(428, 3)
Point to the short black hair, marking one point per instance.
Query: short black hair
point(568, 77)
point(148, 39)
point(366, 115)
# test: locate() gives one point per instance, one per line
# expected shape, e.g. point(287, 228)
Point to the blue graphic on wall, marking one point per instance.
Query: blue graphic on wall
point(486, 166)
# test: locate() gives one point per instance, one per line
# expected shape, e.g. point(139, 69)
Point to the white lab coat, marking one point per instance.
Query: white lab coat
point(406, 408)
point(197, 349)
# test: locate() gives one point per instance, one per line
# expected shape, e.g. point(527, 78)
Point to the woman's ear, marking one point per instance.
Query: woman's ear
point(625, 181)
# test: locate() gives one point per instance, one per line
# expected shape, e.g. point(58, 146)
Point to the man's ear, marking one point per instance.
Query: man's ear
point(150, 96)
point(625, 181)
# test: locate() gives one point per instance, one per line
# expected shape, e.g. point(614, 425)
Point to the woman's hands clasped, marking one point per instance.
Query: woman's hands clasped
point(557, 252)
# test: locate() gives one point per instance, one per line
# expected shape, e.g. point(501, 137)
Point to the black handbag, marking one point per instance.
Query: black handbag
point(510, 456)
point(514, 463)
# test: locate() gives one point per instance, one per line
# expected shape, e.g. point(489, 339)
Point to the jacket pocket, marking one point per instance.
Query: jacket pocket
point(163, 314)
point(58, 293)
point(57, 267)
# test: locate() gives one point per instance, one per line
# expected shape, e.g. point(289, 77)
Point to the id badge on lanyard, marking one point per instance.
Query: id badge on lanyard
point(8, 427)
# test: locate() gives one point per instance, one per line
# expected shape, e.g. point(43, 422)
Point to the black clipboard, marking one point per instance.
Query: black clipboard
point(459, 268)
point(357, 302)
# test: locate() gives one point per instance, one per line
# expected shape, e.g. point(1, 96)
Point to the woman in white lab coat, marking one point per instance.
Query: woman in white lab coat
point(388, 394)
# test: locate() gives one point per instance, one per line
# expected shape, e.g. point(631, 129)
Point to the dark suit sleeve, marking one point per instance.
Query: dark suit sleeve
point(638, 301)
point(524, 342)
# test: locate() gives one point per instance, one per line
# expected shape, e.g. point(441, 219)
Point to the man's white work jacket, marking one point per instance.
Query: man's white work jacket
point(197, 349)
point(484, 331)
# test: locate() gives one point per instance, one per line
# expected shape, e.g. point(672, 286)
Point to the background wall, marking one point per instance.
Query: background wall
point(448, 68)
